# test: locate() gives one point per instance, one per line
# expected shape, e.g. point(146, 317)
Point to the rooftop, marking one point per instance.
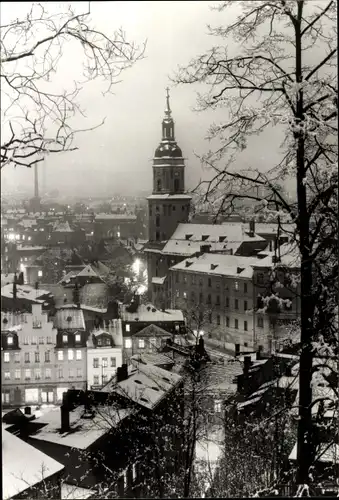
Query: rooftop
point(62, 227)
point(66, 319)
point(23, 466)
point(169, 196)
point(148, 313)
point(24, 292)
point(218, 264)
point(84, 432)
point(152, 331)
point(101, 216)
point(146, 384)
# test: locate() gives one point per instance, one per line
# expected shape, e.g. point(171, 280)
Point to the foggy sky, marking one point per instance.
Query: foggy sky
point(117, 156)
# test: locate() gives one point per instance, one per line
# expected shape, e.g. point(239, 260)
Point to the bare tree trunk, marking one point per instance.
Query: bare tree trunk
point(304, 452)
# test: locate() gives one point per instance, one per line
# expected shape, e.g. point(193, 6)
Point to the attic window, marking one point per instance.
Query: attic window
point(155, 388)
point(69, 319)
point(188, 236)
point(166, 379)
point(221, 239)
point(144, 399)
point(188, 264)
point(213, 266)
point(154, 310)
point(148, 308)
point(138, 382)
point(204, 237)
point(5, 320)
point(240, 270)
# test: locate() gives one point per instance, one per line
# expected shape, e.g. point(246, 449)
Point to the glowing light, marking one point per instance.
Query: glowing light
point(40, 274)
point(141, 289)
point(201, 333)
point(11, 236)
point(136, 266)
point(118, 234)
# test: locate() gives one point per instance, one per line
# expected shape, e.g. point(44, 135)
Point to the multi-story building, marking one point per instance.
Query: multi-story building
point(168, 204)
point(70, 350)
point(28, 364)
point(223, 295)
point(103, 358)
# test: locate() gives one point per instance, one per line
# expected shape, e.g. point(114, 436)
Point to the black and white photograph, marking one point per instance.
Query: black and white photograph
point(169, 249)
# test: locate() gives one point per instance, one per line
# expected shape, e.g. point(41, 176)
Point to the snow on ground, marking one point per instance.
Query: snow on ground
point(70, 492)
point(208, 452)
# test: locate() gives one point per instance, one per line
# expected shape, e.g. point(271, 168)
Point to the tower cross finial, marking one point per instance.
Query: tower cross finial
point(168, 109)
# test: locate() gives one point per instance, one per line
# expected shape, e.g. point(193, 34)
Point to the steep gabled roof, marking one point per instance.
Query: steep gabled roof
point(153, 331)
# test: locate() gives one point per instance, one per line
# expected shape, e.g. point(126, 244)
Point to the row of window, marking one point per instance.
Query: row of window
point(37, 340)
point(32, 395)
point(104, 363)
point(27, 357)
point(260, 321)
point(195, 280)
point(37, 373)
point(153, 342)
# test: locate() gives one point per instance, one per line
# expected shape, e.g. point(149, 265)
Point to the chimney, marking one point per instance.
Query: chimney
point(28, 410)
point(252, 228)
point(237, 350)
point(65, 427)
point(122, 373)
point(247, 363)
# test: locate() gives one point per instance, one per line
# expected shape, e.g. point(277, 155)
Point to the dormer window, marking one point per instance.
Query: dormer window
point(65, 339)
point(128, 328)
point(77, 337)
point(99, 341)
point(204, 237)
point(188, 236)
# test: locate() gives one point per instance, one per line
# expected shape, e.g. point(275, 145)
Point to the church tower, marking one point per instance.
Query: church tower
point(168, 204)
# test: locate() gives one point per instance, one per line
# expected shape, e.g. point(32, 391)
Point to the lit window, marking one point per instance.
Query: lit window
point(128, 328)
point(104, 362)
point(65, 339)
point(40, 274)
point(7, 375)
point(60, 355)
point(134, 472)
point(78, 354)
point(217, 406)
point(6, 357)
point(125, 479)
point(70, 355)
point(236, 285)
point(141, 343)
point(128, 343)
point(77, 337)
point(9, 340)
point(48, 373)
point(184, 295)
point(17, 374)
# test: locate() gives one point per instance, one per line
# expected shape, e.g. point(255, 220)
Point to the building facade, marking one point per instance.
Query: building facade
point(168, 205)
point(103, 358)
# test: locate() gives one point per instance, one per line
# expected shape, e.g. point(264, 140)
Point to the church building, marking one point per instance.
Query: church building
point(168, 204)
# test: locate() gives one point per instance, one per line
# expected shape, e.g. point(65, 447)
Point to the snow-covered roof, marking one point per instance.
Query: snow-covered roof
point(156, 280)
point(84, 432)
point(24, 292)
point(22, 248)
point(71, 492)
point(188, 238)
point(152, 331)
point(23, 466)
point(120, 217)
point(272, 228)
point(152, 358)
point(289, 257)
point(146, 385)
point(27, 223)
point(148, 313)
point(88, 272)
point(62, 227)
point(66, 319)
point(169, 196)
point(219, 265)
point(7, 279)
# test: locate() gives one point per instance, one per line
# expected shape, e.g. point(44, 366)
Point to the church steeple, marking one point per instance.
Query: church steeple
point(168, 123)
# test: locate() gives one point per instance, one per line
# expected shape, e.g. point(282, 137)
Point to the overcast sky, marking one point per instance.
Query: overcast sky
point(117, 156)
